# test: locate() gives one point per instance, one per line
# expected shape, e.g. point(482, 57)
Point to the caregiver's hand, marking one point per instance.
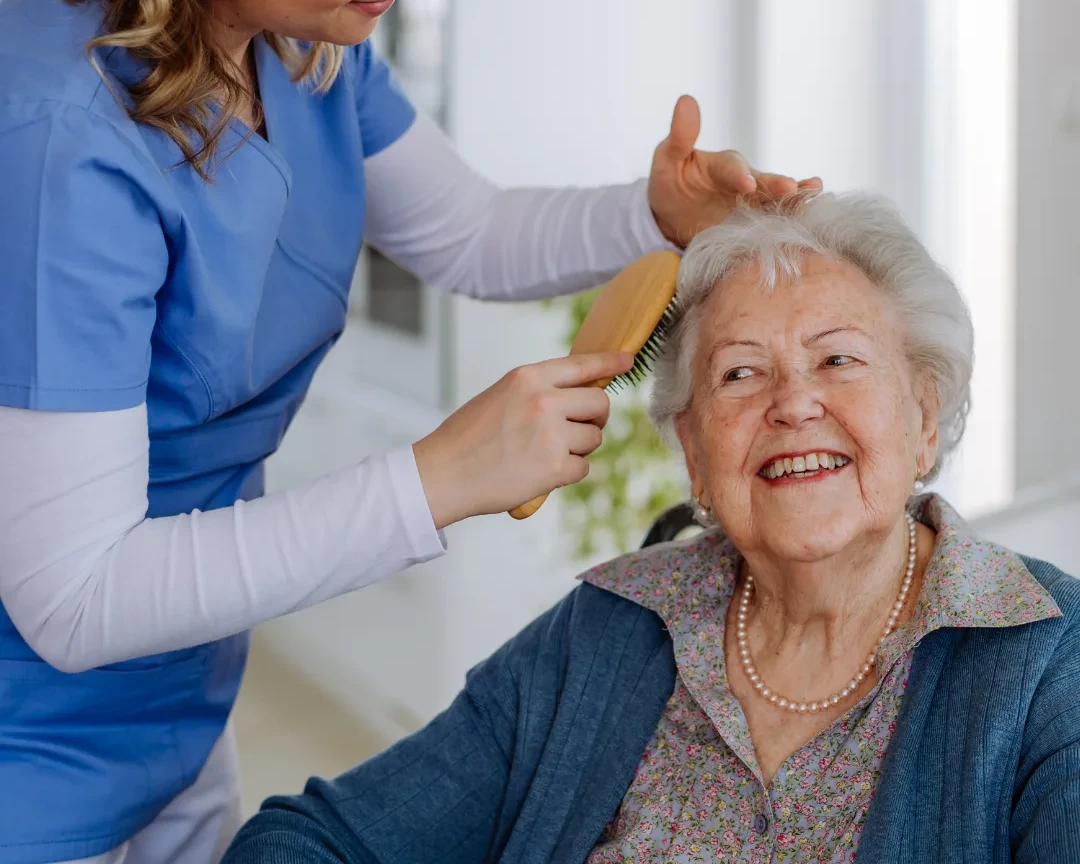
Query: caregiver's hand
point(690, 190)
point(524, 436)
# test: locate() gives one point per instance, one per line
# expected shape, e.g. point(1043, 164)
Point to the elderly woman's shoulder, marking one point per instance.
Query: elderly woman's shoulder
point(657, 574)
point(1062, 587)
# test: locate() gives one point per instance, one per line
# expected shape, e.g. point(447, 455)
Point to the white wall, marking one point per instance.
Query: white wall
point(818, 94)
point(1041, 522)
point(1048, 253)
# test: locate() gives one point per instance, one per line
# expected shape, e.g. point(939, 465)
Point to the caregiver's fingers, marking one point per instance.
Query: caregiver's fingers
point(583, 438)
point(585, 405)
point(729, 171)
point(774, 185)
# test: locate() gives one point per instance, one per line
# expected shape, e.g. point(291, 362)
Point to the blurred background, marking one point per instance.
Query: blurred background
point(966, 112)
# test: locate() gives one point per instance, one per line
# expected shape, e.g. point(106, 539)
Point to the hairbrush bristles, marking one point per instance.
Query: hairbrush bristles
point(644, 358)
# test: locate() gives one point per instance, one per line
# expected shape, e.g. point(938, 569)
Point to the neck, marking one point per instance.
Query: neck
point(232, 32)
point(233, 35)
point(829, 606)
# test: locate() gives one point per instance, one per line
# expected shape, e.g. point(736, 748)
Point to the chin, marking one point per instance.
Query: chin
point(804, 550)
point(808, 533)
point(338, 25)
point(347, 35)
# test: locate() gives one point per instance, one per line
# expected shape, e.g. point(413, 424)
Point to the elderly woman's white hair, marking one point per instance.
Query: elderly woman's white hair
point(862, 229)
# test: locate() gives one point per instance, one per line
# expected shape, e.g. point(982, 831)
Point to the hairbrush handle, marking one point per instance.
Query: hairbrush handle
point(529, 507)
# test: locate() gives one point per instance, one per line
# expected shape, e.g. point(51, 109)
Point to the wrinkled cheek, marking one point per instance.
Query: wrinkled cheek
point(725, 459)
point(882, 468)
point(886, 476)
point(731, 492)
point(735, 512)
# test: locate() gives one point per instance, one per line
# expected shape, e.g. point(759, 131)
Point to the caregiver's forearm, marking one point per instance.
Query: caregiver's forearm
point(437, 217)
point(88, 580)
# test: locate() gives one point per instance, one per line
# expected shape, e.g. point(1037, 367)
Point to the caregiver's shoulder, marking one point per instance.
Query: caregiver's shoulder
point(43, 55)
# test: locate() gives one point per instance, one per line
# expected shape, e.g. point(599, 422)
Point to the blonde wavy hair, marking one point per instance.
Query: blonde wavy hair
point(189, 73)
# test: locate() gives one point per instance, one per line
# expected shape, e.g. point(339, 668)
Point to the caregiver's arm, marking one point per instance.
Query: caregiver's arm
point(433, 214)
point(87, 579)
point(430, 212)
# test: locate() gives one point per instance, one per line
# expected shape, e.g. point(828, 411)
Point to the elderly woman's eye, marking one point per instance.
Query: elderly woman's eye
point(839, 360)
point(739, 373)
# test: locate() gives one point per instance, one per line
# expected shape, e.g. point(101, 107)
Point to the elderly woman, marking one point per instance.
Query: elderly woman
point(838, 669)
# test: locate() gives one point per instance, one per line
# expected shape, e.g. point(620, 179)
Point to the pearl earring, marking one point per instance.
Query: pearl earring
point(918, 486)
point(702, 515)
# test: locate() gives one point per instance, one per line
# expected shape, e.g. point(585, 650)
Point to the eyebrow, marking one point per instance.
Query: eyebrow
point(728, 343)
point(817, 337)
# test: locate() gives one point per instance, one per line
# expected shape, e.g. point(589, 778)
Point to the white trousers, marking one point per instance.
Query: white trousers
point(198, 824)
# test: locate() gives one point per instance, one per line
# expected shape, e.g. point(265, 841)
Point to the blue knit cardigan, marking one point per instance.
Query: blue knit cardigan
point(533, 758)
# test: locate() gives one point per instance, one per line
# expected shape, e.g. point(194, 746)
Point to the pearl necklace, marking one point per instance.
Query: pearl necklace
point(813, 707)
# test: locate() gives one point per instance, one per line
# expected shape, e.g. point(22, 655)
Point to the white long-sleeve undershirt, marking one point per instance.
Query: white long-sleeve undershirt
point(88, 580)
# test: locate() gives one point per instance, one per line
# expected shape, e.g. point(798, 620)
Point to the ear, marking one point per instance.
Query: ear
point(684, 432)
point(930, 410)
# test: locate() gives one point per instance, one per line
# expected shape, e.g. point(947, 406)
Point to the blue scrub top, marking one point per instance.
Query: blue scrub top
point(127, 279)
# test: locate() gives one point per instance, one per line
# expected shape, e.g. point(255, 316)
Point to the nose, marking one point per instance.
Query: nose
point(795, 401)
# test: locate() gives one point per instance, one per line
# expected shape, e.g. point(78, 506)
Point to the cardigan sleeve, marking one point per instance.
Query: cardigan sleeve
point(1046, 812)
point(435, 796)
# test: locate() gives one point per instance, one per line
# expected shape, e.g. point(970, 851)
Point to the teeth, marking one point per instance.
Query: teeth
point(803, 466)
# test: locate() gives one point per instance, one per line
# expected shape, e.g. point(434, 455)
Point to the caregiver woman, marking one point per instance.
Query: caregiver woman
point(184, 195)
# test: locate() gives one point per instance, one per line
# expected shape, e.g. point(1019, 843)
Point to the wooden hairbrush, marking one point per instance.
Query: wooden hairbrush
point(633, 313)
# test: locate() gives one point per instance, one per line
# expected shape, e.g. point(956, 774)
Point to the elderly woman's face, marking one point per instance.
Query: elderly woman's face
point(806, 424)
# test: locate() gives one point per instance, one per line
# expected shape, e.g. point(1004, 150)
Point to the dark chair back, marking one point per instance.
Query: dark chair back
point(670, 524)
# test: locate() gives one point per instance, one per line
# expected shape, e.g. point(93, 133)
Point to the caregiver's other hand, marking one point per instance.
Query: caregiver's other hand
point(690, 190)
point(524, 436)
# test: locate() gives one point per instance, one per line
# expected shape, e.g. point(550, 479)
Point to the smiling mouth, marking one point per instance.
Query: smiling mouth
point(804, 467)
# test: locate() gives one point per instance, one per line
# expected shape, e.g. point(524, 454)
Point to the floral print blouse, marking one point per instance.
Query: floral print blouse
point(698, 794)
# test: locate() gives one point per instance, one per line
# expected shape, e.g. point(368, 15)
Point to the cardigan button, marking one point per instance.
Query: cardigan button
point(761, 824)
